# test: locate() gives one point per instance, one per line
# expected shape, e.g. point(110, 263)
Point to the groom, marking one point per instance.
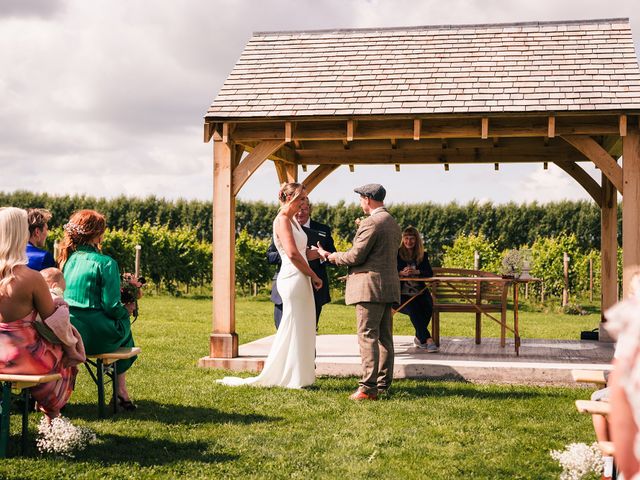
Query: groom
point(373, 286)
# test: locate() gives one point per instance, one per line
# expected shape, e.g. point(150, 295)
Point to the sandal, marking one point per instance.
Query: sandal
point(126, 405)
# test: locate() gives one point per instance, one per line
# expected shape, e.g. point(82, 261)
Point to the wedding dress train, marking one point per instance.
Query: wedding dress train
point(291, 361)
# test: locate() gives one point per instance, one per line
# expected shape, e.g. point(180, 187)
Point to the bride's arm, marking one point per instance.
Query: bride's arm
point(285, 234)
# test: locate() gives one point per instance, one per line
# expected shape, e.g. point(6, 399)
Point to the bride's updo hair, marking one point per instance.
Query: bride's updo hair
point(289, 192)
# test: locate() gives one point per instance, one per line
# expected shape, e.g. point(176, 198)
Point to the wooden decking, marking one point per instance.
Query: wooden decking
point(540, 361)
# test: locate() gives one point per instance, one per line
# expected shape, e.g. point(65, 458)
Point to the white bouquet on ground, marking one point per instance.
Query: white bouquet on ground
point(61, 437)
point(578, 460)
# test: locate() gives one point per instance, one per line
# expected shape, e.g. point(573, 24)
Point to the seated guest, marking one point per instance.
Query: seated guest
point(23, 296)
point(39, 258)
point(93, 293)
point(624, 382)
point(414, 262)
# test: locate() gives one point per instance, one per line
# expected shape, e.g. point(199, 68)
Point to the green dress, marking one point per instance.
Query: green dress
point(93, 295)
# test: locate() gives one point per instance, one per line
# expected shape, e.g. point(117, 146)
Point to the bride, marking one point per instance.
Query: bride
point(291, 361)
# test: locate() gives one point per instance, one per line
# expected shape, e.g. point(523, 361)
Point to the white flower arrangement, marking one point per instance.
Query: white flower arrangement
point(61, 437)
point(578, 460)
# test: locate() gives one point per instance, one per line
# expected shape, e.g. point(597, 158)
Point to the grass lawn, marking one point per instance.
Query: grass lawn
point(187, 426)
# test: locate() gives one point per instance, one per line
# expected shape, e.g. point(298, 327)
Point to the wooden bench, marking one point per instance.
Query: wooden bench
point(589, 376)
point(21, 383)
point(485, 296)
point(104, 364)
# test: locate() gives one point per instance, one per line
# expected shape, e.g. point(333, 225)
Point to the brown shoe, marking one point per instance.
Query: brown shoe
point(359, 395)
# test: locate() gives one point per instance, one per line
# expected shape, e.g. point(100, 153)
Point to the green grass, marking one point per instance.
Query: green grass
point(187, 426)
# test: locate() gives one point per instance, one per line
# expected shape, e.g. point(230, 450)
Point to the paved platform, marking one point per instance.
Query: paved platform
point(541, 361)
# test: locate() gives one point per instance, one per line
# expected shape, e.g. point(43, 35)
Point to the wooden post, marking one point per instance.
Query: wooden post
point(136, 270)
point(476, 260)
point(223, 340)
point(565, 269)
point(608, 250)
point(630, 205)
point(590, 279)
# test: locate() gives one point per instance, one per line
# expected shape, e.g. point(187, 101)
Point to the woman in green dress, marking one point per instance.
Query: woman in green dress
point(93, 293)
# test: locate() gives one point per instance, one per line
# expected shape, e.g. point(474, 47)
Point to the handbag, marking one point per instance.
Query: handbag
point(45, 332)
point(590, 334)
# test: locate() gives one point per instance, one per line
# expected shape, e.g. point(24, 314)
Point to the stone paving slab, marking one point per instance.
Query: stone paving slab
point(541, 361)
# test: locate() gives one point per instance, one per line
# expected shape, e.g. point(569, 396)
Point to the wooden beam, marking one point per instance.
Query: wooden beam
point(319, 174)
point(285, 154)
point(288, 132)
point(208, 131)
point(281, 171)
point(225, 132)
point(598, 155)
point(351, 168)
point(394, 143)
point(551, 127)
point(292, 173)
point(613, 146)
point(224, 339)
point(252, 161)
point(417, 126)
point(488, 155)
point(630, 207)
point(350, 130)
point(397, 167)
point(437, 129)
point(584, 179)
point(484, 128)
point(608, 249)
point(623, 125)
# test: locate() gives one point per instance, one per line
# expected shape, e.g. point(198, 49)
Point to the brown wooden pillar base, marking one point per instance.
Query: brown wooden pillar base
point(223, 345)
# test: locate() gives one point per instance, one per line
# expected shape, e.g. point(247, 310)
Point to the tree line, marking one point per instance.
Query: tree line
point(508, 225)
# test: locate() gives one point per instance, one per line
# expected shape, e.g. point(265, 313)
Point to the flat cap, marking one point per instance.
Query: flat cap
point(374, 191)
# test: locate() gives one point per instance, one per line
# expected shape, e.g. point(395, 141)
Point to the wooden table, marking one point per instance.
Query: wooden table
point(473, 303)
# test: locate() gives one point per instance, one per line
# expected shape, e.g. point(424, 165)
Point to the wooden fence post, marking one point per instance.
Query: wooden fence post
point(476, 260)
point(565, 290)
point(137, 265)
point(590, 279)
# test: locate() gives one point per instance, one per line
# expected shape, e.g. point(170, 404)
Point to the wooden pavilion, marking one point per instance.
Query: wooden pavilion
point(562, 92)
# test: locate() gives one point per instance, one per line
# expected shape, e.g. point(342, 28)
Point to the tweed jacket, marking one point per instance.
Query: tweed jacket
point(373, 275)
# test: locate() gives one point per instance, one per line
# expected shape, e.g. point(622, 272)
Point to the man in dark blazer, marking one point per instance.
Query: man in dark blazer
point(316, 232)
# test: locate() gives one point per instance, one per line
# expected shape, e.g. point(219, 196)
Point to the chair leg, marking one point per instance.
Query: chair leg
point(100, 385)
point(25, 419)
point(114, 385)
point(5, 413)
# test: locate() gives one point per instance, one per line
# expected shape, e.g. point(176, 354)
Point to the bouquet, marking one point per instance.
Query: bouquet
point(579, 460)
point(131, 291)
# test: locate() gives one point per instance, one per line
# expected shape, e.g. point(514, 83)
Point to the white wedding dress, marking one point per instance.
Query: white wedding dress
point(291, 361)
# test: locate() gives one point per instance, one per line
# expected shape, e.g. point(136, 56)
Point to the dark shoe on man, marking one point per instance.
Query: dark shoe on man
point(359, 395)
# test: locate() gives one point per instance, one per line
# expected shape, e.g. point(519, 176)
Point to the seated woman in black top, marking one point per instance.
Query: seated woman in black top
point(413, 262)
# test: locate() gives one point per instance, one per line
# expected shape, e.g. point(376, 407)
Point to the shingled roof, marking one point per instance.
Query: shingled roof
point(517, 67)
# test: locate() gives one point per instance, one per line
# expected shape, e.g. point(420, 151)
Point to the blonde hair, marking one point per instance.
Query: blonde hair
point(418, 250)
point(14, 235)
point(289, 192)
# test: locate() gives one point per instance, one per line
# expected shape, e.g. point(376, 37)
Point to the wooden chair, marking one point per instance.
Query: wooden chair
point(591, 407)
point(481, 298)
point(104, 364)
point(21, 383)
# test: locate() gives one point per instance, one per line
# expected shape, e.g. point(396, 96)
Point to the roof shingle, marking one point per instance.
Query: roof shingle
point(575, 66)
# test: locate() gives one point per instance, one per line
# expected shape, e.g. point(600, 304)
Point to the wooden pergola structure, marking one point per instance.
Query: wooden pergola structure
point(566, 93)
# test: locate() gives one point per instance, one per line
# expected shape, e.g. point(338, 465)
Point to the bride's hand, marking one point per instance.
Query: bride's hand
point(321, 251)
point(316, 281)
point(313, 253)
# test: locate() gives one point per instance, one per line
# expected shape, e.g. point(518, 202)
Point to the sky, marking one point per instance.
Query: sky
point(107, 97)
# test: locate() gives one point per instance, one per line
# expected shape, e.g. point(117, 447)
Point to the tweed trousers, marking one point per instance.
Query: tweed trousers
point(375, 338)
